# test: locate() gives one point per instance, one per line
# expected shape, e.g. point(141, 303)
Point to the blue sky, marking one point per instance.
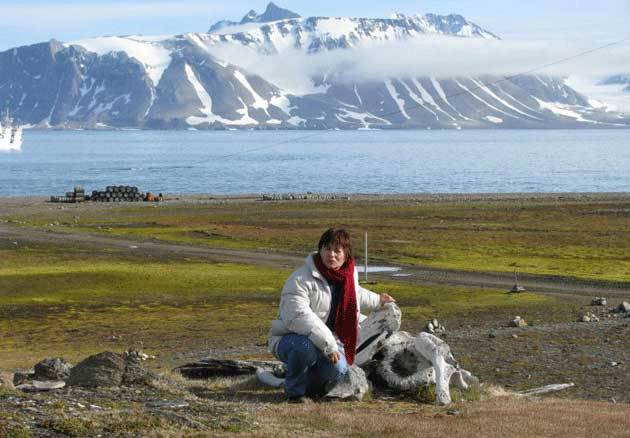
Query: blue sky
point(28, 22)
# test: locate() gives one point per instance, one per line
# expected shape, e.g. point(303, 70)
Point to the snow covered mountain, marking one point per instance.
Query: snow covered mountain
point(272, 13)
point(202, 80)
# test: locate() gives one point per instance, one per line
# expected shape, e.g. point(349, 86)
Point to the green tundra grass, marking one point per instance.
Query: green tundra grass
point(583, 237)
point(71, 303)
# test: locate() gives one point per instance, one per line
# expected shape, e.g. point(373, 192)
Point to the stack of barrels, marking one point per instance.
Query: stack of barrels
point(78, 195)
point(117, 194)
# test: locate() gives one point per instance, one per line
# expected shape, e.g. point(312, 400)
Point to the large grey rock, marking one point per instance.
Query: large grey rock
point(52, 369)
point(103, 369)
point(353, 386)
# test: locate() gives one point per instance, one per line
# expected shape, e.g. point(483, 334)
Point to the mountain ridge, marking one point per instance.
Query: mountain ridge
point(179, 82)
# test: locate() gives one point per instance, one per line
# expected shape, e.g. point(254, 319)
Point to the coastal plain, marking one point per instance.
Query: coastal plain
point(198, 276)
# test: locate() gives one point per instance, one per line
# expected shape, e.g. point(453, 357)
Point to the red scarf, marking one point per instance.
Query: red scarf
point(346, 318)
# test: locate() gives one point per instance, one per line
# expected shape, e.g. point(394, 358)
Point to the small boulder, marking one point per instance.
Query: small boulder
point(6, 380)
point(434, 327)
point(624, 307)
point(599, 301)
point(135, 373)
point(19, 378)
point(518, 322)
point(52, 369)
point(588, 317)
point(353, 386)
point(102, 369)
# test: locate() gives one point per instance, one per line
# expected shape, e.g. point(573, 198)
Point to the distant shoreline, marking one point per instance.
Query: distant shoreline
point(33, 200)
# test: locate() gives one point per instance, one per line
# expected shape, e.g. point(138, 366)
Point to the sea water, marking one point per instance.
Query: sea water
point(387, 161)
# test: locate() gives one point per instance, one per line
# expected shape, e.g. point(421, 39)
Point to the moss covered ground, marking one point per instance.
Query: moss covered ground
point(72, 303)
point(583, 237)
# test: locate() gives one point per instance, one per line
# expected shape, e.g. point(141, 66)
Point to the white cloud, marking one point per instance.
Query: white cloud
point(437, 56)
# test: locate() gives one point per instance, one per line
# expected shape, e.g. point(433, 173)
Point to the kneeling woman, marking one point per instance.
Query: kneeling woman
point(315, 334)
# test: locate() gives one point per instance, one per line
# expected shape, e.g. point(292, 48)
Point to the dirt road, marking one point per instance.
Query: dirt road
point(16, 235)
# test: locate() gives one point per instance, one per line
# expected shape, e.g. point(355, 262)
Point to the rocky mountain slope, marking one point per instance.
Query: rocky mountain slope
point(185, 81)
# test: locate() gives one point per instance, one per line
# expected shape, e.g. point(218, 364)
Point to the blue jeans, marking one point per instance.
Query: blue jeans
point(309, 372)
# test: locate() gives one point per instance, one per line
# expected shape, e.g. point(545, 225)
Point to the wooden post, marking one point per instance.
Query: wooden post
point(366, 260)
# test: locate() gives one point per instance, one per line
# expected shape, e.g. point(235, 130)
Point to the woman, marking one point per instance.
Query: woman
point(316, 331)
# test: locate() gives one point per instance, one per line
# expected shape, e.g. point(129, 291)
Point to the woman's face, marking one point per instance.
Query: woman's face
point(333, 256)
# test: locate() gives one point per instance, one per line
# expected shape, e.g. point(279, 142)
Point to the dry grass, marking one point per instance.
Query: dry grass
point(498, 417)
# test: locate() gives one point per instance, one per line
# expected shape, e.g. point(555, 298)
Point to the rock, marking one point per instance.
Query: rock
point(102, 369)
point(354, 385)
point(518, 322)
point(40, 386)
point(599, 301)
point(166, 404)
point(434, 327)
point(52, 369)
point(135, 373)
point(588, 317)
point(19, 378)
point(6, 380)
point(624, 307)
point(492, 335)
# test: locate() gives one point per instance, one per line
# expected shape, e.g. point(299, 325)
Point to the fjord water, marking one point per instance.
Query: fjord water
point(387, 161)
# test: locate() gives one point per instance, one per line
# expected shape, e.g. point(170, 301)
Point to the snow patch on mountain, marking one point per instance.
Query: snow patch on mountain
point(206, 102)
point(609, 96)
point(153, 56)
point(259, 102)
point(562, 110)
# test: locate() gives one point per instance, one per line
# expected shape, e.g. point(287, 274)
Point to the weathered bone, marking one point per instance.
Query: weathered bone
point(546, 389)
point(373, 331)
point(402, 361)
point(401, 366)
point(384, 320)
point(438, 352)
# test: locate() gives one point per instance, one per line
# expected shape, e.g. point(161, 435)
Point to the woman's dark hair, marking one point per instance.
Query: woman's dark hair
point(336, 236)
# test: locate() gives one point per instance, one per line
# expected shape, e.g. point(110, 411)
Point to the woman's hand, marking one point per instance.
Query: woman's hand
point(386, 298)
point(334, 357)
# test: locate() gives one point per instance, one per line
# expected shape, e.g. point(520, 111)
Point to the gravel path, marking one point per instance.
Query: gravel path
point(416, 274)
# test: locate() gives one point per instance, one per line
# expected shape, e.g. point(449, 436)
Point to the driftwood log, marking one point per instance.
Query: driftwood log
point(207, 368)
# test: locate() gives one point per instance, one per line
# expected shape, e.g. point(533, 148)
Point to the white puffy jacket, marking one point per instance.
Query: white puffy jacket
point(305, 304)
